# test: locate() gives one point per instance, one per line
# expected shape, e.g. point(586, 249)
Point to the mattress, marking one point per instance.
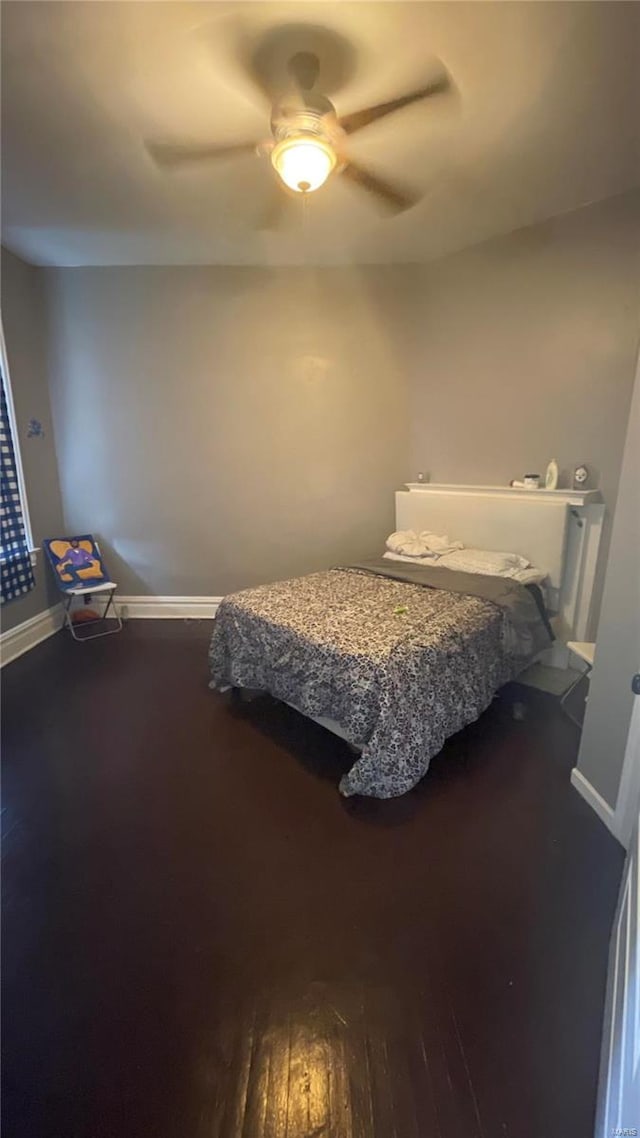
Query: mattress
point(400, 659)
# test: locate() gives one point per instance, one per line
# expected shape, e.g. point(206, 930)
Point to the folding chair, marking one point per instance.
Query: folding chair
point(79, 571)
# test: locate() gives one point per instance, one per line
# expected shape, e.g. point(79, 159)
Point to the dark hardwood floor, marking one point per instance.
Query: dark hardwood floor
point(203, 940)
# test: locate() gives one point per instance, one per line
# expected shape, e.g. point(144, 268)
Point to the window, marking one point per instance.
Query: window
point(16, 572)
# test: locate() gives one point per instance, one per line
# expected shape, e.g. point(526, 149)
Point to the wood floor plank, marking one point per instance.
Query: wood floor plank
point(340, 1104)
point(256, 1103)
point(357, 1064)
point(235, 1091)
point(278, 1088)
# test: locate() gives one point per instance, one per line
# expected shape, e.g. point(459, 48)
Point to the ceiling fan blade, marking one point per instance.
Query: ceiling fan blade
point(353, 122)
point(394, 198)
point(169, 154)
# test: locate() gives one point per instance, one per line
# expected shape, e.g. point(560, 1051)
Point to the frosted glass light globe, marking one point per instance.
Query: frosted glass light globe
point(304, 164)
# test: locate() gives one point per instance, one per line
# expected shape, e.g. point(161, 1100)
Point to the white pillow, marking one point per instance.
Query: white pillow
point(413, 560)
point(486, 561)
point(439, 544)
point(483, 561)
point(408, 543)
point(529, 576)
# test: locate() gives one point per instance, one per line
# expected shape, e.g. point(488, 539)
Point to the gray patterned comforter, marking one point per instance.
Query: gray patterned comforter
point(400, 664)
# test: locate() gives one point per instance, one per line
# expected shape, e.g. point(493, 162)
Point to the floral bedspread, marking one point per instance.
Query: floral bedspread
point(398, 665)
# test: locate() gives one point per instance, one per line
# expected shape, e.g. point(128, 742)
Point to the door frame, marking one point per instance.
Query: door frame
point(626, 810)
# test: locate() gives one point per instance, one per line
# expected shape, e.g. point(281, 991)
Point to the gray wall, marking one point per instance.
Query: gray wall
point(609, 707)
point(525, 349)
point(23, 321)
point(226, 426)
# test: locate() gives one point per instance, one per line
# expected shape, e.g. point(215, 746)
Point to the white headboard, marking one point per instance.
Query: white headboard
point(559, 533)
point(535, 527)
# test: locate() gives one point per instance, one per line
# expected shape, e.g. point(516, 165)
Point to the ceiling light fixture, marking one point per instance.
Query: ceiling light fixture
point(304, 162)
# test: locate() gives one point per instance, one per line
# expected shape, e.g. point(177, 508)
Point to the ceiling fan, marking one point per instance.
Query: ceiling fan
point(309, 140)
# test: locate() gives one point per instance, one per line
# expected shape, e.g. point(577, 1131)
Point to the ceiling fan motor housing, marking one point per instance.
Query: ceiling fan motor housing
point(304, 113)
point(307, 139)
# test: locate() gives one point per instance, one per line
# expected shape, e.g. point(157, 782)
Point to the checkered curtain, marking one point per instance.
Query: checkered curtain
point(15, 563)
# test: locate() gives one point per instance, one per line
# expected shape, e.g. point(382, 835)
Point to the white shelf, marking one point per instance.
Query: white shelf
point(571, 497)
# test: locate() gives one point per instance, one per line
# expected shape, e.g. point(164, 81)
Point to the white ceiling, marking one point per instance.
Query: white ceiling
point(546, 120)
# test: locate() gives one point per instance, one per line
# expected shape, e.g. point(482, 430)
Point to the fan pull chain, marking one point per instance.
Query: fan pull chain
point(305, 224)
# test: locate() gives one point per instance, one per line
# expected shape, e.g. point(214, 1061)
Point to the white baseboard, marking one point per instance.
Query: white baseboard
point(16, 641)
point(597, 803)
point(167, 608)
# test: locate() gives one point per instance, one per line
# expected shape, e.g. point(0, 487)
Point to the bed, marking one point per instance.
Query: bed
point(396, 657)
point(400, 656)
